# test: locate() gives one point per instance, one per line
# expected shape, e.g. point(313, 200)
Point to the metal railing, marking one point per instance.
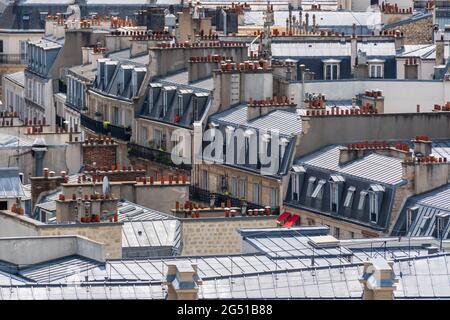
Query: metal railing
point(155, 155)
point(202, 195)
point(109, 129)
point(6, 58)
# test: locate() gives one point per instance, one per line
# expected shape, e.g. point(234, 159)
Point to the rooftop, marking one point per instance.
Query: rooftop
point(374, 167)
point(288, 123)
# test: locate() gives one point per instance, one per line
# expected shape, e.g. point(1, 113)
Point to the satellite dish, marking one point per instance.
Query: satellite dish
point(105, 186)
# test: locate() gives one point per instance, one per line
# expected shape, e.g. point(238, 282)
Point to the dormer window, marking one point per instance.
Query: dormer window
point(376, 68)
point(336, 182)
point(296, 181)
point(375, 199)
point(331, 69)
point(318, 191)
point(311, 182)
point(164, 109)
point(180, 105)
point(195, 108)
point(348, 202)
point(362, 200)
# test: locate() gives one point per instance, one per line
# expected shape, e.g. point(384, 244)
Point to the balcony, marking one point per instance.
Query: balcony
point(13, 58)
point(99, 127)
point(201, 195)
point(155, 155)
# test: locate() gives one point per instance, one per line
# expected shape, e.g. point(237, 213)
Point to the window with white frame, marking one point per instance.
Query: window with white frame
point(318, 191)
point(150, 99)
point(373, 206)
point(348, 202)
point(180, 105)
point(376, 70)
point(331, 70)
point(334, 196)
point(295, 185)
point(362, 200)
point(311, 182)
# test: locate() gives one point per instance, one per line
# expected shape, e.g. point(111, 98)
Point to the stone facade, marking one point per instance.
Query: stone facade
point(218, 235)
point(109, 234)
point(417, 32)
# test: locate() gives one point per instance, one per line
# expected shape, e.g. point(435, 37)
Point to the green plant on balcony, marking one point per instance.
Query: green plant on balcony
point(105, 124)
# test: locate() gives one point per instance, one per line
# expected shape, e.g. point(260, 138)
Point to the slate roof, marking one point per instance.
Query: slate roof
point(288, 123)
point(424, 51)
point(427, 207)
point(374, 167)
point(10, 184)
point(17, 77)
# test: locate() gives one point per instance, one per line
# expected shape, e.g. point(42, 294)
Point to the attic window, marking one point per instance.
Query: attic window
point(310, 189)
point(349, 197)
point(164, 110)
point(318, 191)
point(362, 200)
point(180, 105)
point(373, 206)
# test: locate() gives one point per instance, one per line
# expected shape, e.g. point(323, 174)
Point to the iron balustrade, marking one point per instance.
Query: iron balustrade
point(6, 58)
point(202, 195)
point(155, 155)
point(120, 133)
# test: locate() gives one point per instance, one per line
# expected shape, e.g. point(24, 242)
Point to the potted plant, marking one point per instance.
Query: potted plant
point(105, 124)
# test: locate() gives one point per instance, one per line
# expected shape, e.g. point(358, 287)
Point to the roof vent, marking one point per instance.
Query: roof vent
point(324, 242)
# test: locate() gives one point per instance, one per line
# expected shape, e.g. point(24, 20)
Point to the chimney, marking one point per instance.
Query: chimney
point(440, 51)
point(354, 48)
point(182, 281)
point(422, 146)
point(85, 55)
point(378, 280)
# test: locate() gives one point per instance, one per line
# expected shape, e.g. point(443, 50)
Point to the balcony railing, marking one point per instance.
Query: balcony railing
point(201, 195)
point(155, 155)
point(99, 127)
point(13, 58)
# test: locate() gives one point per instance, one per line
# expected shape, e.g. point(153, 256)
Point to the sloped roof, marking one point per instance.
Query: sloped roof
point(10, 184)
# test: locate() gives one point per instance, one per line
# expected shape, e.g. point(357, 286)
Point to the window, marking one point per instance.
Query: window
point(150, 100)
point(256, 193)
point(242, 189)
point(1, 46)
point(310, 189)
point(311, 222)
point(3, 205)
point(362, 200)
point(349, 197)
point(376, 70)
point(221, 184)
point(180, 105)
point(164, 109)
point(157, 138)
point(234, 187)
point(295, 186)
point(273, 197)
point(334, 196)
point(373, 206)
point(195, 107)
point(116, 117)
point(331, 71)
point(337, 232)
point(204, 180)
point(144, 136)
point(352, 234)
point(318, 191)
